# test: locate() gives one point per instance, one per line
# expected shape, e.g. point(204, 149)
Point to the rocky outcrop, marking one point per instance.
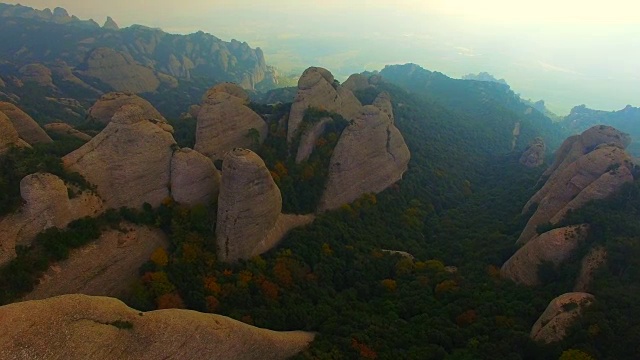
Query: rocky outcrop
point(555, 246)
point(309, 137)
point(317, 89)
point(2, 84)
point(105, 267)
point(594, 175)
point(370, 156)
point(592, 262)
point(356, 82)
point(194, 178)
point(27, 128)
point(46, 204)
point(104, 109)
point(249, 205)
point(120, 71)
point(225, 122)
point(516, 134)
point(85, 327)
point(559, 316)
point(129, 161)
point(8, 135)
point(110, 24)
point(534, 155)
point(36, 73)
point(66, 130)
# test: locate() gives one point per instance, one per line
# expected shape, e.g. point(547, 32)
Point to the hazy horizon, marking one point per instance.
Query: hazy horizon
point(566, 53)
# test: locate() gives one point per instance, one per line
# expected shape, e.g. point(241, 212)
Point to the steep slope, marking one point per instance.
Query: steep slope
point(8, 135)
point(82, 327)
point(26, 127)
point(562, 312)
point(194, 178)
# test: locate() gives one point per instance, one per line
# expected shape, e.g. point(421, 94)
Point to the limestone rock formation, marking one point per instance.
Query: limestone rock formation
point(533, 156)
point(317, 89)
point(104, 109)
point(66, 129)
point(129, 161)
point(592, 262)
point(309, 137)
point(194, 178)
point(555, 246)
point(46, 204)
point(595, 175)
point(370, 156)
point(27, 128)
point(36, 73)
point(110, 24)
point(561, 313)
point(225, 122)
point(105, 267)
point(86, 327)
point(8, 135)
point(120, 71)
point(249, 205)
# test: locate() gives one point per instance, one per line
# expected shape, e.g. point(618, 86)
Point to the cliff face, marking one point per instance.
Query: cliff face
point(194, 178)
point(317, 89)
point(129, 161)
point(559, 316)
point(249, 205)
point(225, 122)
point(46, 204)
point(370, 156)
point(590, 166)
point(84, 327)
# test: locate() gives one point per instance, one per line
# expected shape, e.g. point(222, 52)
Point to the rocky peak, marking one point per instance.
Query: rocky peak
point(226, 122)
point(559, 316)
point(110, 24)
point(534, 155)
point(370, 156)
point(62, 13)
point(8, 135)
point(120, 71)
point(26, 127)
point(106, 107)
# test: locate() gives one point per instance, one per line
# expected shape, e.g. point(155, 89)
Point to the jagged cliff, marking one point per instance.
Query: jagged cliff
point(84, 327)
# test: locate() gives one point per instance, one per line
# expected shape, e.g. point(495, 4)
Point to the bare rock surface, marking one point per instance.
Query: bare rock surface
point(66, 129)
point(104, 109)
point(370, 156)
point(559, 316)
point(592, 262)
point(225, 122)
point(46, 204)
point(555, 246)
point(574, 184)
point(316, 88)
point(356, 82)
point(110, 24)
point(120, 71)
point(284, 224)
point(129, 161)
point(85, 327)
point(105, 267)
point(8, 135)
point(533, 156)
point(36, 73)
point(26, 127)
point(309, 138)
point(194, 178)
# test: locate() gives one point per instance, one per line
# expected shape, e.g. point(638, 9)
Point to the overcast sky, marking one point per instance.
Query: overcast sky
point(567, 52)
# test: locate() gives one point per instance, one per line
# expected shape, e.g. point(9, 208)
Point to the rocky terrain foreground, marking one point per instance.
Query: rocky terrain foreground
point(85, 327)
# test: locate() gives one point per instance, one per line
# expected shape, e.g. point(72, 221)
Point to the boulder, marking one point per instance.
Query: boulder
point(533, 156)
point(249, 205)
point(86, 327)
point(317, 89)
point(120, 71)
point(105, 267)
point(225, 122)
point(36, 73)
point(370, 156)
point(129, 161)
point(595, 175)
point(592, 262)
point(27, 128)
point(194, 178)
point(559, 316)
point(46, 204)
point(104, 109)
point(555, 246)
point(8, 135)
point(65, 129)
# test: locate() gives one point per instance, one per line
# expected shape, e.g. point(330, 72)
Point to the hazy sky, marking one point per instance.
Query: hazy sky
point(567, 52)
